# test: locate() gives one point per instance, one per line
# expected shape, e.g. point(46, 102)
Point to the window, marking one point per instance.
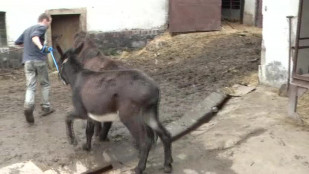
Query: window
point(231, 4)
point(3, 39)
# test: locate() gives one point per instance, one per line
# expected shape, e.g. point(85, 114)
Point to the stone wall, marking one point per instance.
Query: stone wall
point(10, 57)
point(112, 43)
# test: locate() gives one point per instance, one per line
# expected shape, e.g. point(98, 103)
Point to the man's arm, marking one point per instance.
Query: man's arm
point(37, 42)
point(36, 34)
point(20, 40)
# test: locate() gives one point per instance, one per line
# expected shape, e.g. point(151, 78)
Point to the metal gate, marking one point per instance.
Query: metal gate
point(194, 15)
point(300, 72)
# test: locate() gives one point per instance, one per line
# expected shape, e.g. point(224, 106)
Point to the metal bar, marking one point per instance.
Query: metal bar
point(289, 59)
point(303, 38)
point(301, 77)
point(301, 47)
point(301, 83)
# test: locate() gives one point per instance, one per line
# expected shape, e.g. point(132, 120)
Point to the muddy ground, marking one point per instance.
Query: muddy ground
point(188, 67)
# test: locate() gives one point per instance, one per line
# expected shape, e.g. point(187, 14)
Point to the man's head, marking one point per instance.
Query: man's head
point(45, 19)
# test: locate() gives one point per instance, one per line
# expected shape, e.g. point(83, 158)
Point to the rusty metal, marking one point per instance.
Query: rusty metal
point(297, 46)
point(299, 83)
point(194, 15)
point(300, 12)
point(301, 47)
point(301, 77)
point(303, 38)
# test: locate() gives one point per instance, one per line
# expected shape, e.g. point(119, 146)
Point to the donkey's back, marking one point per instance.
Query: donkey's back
point(113, 91)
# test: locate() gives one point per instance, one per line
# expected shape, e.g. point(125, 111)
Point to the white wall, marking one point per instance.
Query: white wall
point(249, 12)
point(275, 48)
point(102, 15)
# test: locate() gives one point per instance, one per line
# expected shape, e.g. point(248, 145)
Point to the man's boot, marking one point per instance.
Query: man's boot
point(28, 112)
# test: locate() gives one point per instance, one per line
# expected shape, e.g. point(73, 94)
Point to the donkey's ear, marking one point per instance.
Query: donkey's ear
point(79, 48)
point(59, 50)
point(67, 54)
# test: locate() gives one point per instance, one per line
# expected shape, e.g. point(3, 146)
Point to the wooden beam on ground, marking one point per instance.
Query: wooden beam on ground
point(99, 170)
point(197, 116)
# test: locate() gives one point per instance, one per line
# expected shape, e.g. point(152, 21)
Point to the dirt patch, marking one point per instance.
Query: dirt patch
point(190, 66)
point(187, 67)
point(303, 108)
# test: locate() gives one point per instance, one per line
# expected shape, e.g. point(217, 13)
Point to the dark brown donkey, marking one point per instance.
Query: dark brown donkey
point(130, 95)
point(92, 59)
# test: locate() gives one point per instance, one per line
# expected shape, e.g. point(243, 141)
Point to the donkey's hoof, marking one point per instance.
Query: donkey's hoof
point(73, 142)
point(168, 168)
point(137, 171)
point(86, 147)
point(105, 139)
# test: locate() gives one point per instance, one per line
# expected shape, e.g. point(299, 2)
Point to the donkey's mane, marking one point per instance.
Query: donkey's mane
point(83, 37)
point(89, 45)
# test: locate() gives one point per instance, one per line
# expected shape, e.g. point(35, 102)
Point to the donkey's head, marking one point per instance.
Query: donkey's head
point(69, 66)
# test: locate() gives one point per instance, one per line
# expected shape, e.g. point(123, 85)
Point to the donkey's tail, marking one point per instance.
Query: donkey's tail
point(150, 119)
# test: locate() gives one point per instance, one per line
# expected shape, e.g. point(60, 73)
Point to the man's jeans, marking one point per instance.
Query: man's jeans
point(36, 71)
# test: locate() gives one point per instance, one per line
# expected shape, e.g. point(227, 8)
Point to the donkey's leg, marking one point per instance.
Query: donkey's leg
point(104, 131)
point(139, 131)
point(70, 131)
point(98, 128)
point(146, 141)
point(166, 139)
point(89, 134)
point(164, 135)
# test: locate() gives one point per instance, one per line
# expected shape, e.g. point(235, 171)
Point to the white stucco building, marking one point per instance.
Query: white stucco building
point(275, 47)
point(124, 15)
point(103, 15)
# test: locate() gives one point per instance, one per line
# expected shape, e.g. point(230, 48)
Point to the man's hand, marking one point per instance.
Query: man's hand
point(45, 49)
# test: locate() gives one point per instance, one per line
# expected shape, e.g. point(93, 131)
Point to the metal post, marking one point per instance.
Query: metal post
point(290, 49)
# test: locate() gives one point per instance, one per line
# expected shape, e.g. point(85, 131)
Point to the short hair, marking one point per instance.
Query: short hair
point(43, 16)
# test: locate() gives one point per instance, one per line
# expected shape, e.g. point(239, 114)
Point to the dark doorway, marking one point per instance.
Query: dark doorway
point(259, 15)
point(3, 39)
point(63, 29)
point(232, 10)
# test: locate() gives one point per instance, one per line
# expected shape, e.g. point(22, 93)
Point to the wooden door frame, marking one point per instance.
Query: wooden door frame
point(82, 23)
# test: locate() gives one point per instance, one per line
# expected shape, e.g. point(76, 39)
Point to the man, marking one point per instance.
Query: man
point(34, 60)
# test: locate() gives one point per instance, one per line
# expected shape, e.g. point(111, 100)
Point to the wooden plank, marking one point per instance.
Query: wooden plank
point(197, 116)
point(99, 170)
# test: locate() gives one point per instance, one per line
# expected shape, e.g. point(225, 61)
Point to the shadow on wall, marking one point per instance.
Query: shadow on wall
point(275, 73)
